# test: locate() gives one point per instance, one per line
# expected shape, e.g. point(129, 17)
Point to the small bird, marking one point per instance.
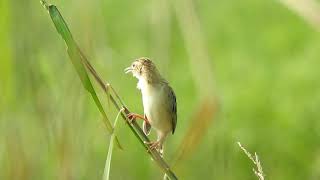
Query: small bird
point(159, 101)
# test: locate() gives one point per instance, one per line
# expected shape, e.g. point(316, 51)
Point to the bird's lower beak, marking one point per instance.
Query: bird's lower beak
point(127, 70)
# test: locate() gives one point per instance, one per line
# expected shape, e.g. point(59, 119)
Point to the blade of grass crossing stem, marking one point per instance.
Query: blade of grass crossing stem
point(106, 173)
point(75, 57)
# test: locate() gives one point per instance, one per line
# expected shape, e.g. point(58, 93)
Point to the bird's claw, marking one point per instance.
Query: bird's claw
point(153, 145)
point(131, 117)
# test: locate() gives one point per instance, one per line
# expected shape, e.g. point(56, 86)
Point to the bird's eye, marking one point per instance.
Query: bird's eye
point(133, 65)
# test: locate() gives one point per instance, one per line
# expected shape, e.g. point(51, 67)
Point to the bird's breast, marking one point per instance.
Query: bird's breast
point(154, 104)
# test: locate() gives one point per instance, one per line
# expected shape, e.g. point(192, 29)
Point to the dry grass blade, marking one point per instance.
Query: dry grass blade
point(199, 62)
point(255, 159)
point(196, 130)
point(309, 10)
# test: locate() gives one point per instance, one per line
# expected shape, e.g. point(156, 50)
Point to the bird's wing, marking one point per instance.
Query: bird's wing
point(172, 108)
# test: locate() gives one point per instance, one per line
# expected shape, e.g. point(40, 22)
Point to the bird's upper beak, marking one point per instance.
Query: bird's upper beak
point(128, 69)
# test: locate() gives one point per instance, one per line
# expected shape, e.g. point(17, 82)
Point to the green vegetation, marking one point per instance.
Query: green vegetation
point(263, 56)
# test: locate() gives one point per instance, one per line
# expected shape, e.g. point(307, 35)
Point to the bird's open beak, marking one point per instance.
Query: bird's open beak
point(128, 69)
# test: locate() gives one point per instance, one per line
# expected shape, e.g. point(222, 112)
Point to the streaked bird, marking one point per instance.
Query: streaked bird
point(159, 101)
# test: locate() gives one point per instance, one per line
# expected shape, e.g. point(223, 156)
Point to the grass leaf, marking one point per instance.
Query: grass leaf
point(106, 173)
point(76, 57)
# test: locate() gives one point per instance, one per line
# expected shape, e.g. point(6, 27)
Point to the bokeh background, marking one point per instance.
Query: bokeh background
point(243, 70)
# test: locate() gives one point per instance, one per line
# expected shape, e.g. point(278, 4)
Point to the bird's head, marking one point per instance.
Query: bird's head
point(144, 68)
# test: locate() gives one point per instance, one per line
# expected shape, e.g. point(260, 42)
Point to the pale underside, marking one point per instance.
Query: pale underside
point(155, 103)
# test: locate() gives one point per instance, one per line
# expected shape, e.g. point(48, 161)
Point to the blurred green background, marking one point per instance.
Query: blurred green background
point(264, 61)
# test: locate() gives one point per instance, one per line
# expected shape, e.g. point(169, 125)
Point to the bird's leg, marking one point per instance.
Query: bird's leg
point(157, 145)
point(134, 116)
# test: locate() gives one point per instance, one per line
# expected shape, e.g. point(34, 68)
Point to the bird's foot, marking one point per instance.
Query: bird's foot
point(133, 116)
point(154, 145)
